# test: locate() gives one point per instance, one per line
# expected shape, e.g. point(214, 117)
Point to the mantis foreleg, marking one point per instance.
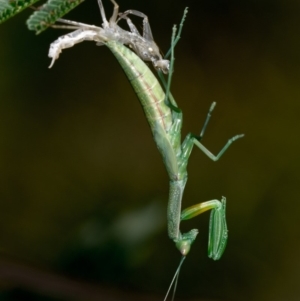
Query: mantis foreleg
point(218, 232)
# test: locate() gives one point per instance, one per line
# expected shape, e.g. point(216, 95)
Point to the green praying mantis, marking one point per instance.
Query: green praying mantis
point(163, 115)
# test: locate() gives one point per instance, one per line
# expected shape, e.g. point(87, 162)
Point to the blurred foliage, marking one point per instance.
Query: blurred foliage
point(9, 8)
point(83, 189)
point(43, 17)
point(51, 11)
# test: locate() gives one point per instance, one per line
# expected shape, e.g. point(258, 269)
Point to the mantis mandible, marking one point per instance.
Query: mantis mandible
point(163, 115)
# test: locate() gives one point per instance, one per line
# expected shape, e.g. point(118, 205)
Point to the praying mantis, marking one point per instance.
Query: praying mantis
point(162, 113)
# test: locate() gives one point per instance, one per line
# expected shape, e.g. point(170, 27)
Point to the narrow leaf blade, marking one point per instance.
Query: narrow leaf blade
point(9, 8)
point(48, 14)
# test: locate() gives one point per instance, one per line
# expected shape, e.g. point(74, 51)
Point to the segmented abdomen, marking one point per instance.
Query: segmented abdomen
point(145, 86)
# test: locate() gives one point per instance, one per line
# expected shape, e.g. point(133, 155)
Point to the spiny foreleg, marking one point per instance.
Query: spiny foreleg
point(218, 232)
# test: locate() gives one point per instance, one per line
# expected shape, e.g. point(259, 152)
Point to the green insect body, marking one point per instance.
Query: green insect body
point(145, 85)
point(166, 125)
point(162, 113)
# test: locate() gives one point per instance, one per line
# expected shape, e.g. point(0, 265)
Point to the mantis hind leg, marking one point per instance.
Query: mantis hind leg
point(169, 99)
point(177, 37)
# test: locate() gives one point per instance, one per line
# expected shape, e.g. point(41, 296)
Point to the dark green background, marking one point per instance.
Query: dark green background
point(83, 190)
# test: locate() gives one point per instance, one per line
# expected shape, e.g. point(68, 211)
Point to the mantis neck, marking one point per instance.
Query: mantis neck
point(183, 241)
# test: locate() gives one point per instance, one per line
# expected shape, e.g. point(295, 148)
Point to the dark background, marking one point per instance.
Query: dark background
point(83, 189)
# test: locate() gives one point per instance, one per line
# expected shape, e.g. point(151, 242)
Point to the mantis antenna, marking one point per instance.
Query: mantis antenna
point(175, 278)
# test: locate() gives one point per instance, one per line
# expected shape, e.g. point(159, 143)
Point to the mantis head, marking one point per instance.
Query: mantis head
point(185, 242)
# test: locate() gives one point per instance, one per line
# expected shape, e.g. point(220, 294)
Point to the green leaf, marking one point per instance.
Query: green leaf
point(9, 8)
point(48, 14)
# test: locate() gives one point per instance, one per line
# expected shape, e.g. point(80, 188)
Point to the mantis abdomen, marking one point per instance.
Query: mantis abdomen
point(152, 98)
point(145, 85)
